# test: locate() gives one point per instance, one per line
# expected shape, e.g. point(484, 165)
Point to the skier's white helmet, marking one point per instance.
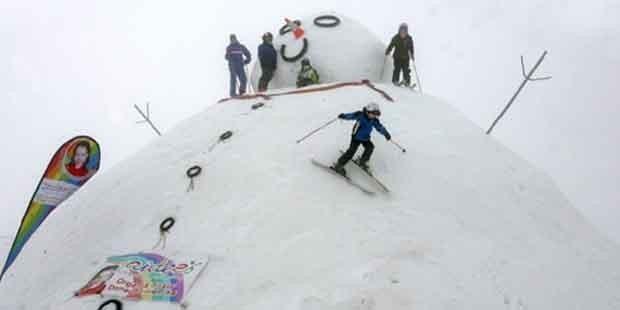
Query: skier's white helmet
point(372, 107)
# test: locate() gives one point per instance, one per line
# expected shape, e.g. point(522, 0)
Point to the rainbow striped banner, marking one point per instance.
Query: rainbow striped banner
point(75, 162)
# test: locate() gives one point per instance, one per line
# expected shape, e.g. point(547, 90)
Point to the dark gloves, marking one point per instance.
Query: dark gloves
point(341, 115)
point(388, 136)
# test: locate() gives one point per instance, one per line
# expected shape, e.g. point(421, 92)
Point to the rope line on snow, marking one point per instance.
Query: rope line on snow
point(366, 83)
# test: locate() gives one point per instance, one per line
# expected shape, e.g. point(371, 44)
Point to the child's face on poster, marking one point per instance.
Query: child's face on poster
point(80, 157)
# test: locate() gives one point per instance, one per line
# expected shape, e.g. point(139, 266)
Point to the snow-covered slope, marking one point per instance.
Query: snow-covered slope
point(346, 52)
point(469, 225)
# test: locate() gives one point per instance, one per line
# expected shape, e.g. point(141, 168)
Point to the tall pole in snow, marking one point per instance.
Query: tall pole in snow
point(526, 78)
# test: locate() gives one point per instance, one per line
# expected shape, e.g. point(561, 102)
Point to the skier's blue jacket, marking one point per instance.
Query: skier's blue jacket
point(235, 53)
point(268, 56)
point(363, 125)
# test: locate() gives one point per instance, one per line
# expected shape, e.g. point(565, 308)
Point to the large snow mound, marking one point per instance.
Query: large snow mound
point(345, 52)
point(468, 225)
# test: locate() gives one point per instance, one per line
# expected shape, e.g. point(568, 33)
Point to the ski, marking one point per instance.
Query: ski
point(346, 178)
point(404, 85)
point(372, 176)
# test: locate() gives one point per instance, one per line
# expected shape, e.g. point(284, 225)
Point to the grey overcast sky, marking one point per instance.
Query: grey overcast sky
point(77, 67)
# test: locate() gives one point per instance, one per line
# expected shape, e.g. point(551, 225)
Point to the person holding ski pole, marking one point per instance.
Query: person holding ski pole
point(268, 57)
point(238, 57)
point(365, 121)
point(402, 44)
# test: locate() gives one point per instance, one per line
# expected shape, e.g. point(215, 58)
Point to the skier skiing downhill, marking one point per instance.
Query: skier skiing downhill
point(366, 120)
point(238, 57)
point(268, 57)
point(402, 44)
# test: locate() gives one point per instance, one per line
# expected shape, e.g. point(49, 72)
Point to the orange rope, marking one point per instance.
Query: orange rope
point(314, 89)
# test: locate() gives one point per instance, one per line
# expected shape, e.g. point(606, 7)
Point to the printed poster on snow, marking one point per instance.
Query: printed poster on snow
point(145, 276)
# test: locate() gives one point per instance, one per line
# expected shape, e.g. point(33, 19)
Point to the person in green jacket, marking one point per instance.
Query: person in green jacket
point(308, 75)
point(402, 44)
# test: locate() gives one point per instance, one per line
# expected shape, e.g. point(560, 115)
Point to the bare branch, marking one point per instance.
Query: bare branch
point(147, 118)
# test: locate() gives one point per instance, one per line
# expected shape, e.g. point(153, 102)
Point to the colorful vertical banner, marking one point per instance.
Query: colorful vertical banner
point(75, 162)
point(144, 276)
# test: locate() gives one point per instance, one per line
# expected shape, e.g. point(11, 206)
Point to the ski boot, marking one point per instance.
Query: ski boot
point(362, 164)
point(339, 169)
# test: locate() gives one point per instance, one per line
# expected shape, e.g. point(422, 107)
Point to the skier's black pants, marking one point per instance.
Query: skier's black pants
point(355, 144)
point(265, 78)
point(401, 65)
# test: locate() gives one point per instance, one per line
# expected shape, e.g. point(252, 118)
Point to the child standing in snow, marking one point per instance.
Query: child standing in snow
point(238, 57)
point(366, 120)
point(308, 75)
point(402, 44)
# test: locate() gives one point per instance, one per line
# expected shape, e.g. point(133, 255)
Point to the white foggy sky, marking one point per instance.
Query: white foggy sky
point(76, 67)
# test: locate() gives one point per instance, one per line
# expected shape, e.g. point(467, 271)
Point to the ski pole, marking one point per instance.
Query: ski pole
point(417, 77)
point(385, 61)
point(398, 146)
point(249, 80)
point(316, 130)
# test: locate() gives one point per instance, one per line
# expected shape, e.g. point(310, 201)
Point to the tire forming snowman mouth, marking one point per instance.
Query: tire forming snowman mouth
point(323, 21)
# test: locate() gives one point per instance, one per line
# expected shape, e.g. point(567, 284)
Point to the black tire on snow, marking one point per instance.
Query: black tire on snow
point(166, 225)
point(117, 303)
point(193, 171)
point(297, 57)
point(327, 21)
point(226, 135)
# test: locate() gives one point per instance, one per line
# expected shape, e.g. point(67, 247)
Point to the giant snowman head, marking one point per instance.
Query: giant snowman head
point(339, 48)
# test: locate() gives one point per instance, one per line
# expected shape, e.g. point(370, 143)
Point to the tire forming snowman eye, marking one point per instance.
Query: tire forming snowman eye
point(327, 21)
point(286, 28)
point(297, 57)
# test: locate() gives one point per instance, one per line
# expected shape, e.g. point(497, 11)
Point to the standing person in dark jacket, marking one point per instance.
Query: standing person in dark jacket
point(402, 43)
point(268, 57)
point(238, 57)
point(366, 120)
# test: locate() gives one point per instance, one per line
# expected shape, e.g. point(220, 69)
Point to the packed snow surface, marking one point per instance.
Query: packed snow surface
point(468, 225)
